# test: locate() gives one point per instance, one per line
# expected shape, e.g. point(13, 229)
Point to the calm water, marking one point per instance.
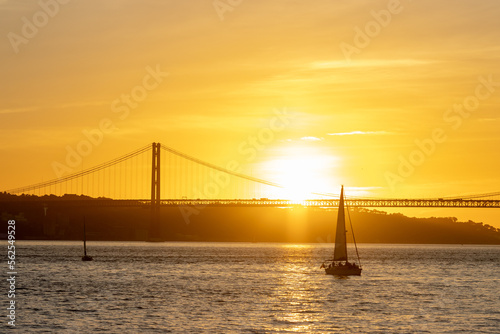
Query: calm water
point(253, 288)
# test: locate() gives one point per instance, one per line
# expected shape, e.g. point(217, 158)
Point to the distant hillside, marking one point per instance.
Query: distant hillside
point(259, 224)
point(377, 226)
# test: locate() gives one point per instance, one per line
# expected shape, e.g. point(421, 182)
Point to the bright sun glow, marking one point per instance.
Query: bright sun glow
point(303, 174)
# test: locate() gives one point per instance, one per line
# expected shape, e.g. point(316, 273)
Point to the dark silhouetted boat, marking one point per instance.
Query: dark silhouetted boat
point(340, 265)
point(85, 257)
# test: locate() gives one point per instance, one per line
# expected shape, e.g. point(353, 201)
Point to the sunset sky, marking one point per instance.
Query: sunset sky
point(391, 99)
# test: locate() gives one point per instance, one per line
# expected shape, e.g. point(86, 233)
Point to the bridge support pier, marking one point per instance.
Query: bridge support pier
point(154, 226)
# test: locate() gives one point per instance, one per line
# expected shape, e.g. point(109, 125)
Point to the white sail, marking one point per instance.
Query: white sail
point(340, 253)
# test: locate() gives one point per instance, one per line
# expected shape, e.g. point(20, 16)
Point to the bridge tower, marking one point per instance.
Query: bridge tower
point(154, 226)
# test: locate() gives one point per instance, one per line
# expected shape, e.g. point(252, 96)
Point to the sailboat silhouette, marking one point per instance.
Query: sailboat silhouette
point(85, 257)
point(340, 265)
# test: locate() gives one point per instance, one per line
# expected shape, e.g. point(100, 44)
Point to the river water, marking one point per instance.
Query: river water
point(135, 287)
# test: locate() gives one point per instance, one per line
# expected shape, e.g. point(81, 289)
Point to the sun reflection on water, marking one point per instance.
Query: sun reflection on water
point(294, 297)
point(296, 246)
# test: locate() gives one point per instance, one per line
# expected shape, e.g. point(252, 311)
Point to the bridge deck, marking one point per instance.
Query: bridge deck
point(264, 202)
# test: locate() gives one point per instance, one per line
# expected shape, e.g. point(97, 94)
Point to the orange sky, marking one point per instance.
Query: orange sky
point(365, 81)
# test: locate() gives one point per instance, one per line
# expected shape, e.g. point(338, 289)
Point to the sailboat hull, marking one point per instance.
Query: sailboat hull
point(343, 271)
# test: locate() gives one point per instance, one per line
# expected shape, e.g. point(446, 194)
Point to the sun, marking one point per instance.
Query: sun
point(304, 174)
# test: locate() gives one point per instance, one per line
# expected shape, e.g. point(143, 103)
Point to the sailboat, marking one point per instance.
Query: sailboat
point(340, 265)
point(85, 257)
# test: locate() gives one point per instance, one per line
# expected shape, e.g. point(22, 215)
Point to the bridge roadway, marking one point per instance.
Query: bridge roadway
point(262, 202)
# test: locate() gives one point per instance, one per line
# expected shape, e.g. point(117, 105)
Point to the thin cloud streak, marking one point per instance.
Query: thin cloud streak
point(17, 110)
point(311, 138)
point(371, 63)
point(360, 133)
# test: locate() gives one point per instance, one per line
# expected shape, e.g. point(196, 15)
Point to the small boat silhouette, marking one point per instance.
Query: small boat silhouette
point(85, 257)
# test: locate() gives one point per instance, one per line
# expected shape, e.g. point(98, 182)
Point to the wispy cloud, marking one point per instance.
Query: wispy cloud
point(55, 106)
point(16, 110)
point(371, 63)
point(310, 138)
point(360, 133)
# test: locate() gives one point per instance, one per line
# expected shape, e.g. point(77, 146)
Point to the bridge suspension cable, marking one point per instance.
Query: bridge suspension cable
point(79, 174)
point(220, 169)
point(493, 194)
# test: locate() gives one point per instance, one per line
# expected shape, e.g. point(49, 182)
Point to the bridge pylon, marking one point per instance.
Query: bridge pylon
point(154, 226)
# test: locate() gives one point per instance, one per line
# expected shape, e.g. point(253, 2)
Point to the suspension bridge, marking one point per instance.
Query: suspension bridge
point(145, 177)
point(157, 175)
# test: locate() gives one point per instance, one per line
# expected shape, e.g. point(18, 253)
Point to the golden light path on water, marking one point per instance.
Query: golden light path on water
point(295, 289)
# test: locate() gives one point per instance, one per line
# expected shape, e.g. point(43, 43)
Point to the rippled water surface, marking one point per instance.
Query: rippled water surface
point(253, 288)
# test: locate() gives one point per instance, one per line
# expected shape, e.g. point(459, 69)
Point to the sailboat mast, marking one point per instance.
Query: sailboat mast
point(84, 238)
